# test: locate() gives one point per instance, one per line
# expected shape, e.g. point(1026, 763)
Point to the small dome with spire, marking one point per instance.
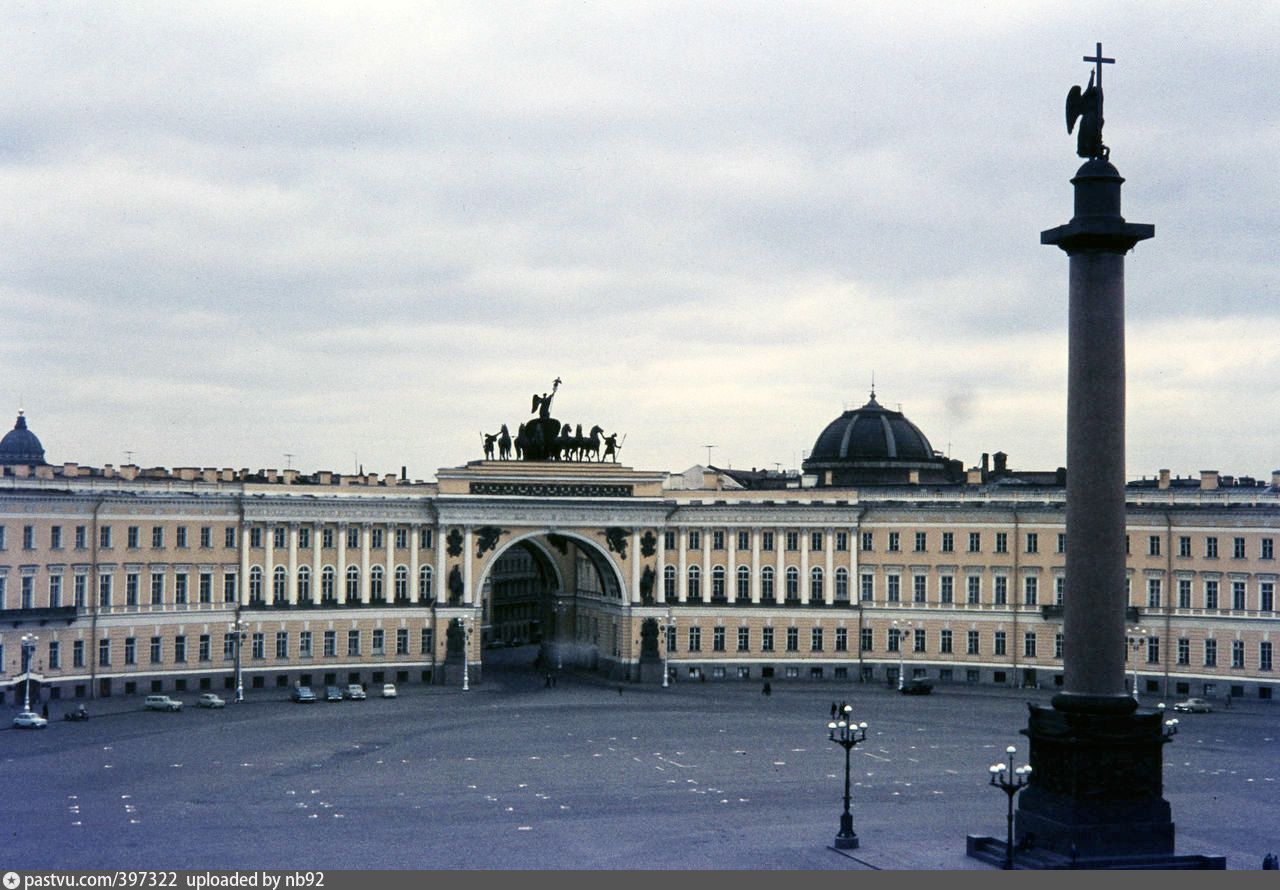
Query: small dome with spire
point(20, 446)
point(873, 445)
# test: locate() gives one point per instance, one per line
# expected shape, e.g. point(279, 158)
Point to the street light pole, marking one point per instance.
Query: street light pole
point(1137, 636)
point(237, 628)
point(28, 643)
point(902, 627)
point(560, 608)
point(666, 631)
point(847, 734)
point(1010, 781)
point(466, 652)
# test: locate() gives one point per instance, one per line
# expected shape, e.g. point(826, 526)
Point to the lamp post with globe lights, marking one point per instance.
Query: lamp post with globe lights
point(665, 627)
point(847, 734)
point(901, 627)
point(466, 622)
point(28, 643)
point(1136, 637)
point(1010, 781)
point(237, 633)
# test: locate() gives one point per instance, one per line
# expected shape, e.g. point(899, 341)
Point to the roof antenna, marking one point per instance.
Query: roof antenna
point(288, 460)
point(708, 447)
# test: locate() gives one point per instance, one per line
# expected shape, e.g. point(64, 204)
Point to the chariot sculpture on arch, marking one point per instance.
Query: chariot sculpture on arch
point(545, 438)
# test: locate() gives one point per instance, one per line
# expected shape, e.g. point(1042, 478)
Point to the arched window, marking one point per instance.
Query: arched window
point(766, 584)
point(744, 583)
point(424, 584)
point(304, 584)
point(255, 584)
point(353, 584)
point(669, 584)
point(793, 583)
point(327, 592)
point(717, 584)
point(695, 583)
point(375, 584)
point(402, 584)
point(279, 586)
point(842, 585)
point(815, 585)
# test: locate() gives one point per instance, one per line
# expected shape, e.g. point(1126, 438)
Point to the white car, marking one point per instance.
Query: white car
point(209, 700)
point(1193, 706)
point(388, 690)
point(161, 703)
point(355, 692)
point(30, 720)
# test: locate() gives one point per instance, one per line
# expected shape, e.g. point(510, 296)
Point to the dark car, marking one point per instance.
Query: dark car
point(916, 687)
point(303, 694)
point(333, 693)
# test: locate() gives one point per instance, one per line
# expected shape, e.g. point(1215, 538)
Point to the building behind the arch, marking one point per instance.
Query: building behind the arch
point(880, 554)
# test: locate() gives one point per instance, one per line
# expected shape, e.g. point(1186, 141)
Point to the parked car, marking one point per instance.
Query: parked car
point(355, 692)
point(916, 687)
point(1193, 706)
point(303, 694)
point(162, 703)
point(30, 720)
point(209, 700)
point(388, 690)
point(333, 693)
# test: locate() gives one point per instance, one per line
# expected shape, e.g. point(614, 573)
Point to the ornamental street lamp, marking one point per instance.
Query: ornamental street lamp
point(237, 634)
point(561, 608)
point(466, 623)
point(1010, 781)
point(847, 734)
point(1170, 725)
point(28, 643)
point(1136, 637)
point(901, 627)
point(665, 626)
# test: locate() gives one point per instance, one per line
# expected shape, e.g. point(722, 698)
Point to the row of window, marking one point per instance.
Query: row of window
point(896, 640)
point(946, 588)
point(133, 537)
point(947, 544)
point(257, 647)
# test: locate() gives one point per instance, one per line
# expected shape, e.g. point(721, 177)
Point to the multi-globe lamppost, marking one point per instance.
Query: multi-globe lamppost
point(900, 628)
point(1136, 638)
point(466, 651)
point(847, 734)
point(28, 643)
point(237, 633)
point(665, 627)
point(1010, 781)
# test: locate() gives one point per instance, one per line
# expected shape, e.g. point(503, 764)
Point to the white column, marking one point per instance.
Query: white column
point(341, 582)
point(780, 567)
point(415, 538)
point(660, 595)
point(317, 538)
point(438, 591)
point(755, 565)
point(731, 568)
point(268, 562)
point(805, 588)
point(635, 566)
point(682, 571)
point(468, 595)
point(291, 582)
point(244, 563)
point(366, 563)
point(829, 586)
point(705, 590)
point(389, 571)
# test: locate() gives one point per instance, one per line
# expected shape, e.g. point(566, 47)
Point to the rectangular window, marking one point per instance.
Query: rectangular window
point(180, 587)
point(402, 538)
point(866, 639)
point(205, 648)
point(793, 540)
point(1238, 594)
point(815, 639)
point(1001, 589)
point(402, 641)
point(1237, 654)
point(330, 643)
point(1153, 593)
point(353, 537)
point(1153, 650)
point(206, 587)
point(695, 639)
point(1264, 656)
point(1029, 644)
point(1266, 596)
point(893, 588)
point(998, 647)
point(55, 591)
point(842, 541)
point(1153, 545)
point(229, 537)
point(1211, 548)
point(1211, 594)
point(353, 642)
point(1237, 548)
point(157, 537)
point(842, 639)
point(868, 587)
point(1033, 542)
point(157, 590)
point(375, 539)
point(259, 642)
point(131, 537)
point(893, 542)
point(669, 540)
point(278, 537)
point(973, 589)
point(228, 647)
point(82, 537)
point(206, 537)
point(1210, 653)
point(1267, 550)
point(130, 650)
point(426, 638)
point(867, 541)
point(55, 657)
point(744, 639)
point(282, 644)
point(744, 540)
point(975, 542)
point(944, 641)
point(1030, 590)
point(1184, 651)
point(55, 538)
point(104, 591)
point(229, 588)
point(919, 588)
point(921, 542)
point(893, 640)
point(717, 540)
point(948, 542)
point(29, 537)
point(793, 639)
point(815, 541)
point(179, 648)
point(1002, 542)
point(104, 653)
point(695, 540)
point(1062, 543)
point(1184, 593)
point(717, 639)
point(425, 539)
point(180, 534)
point(1057, 644)
point(766, 639)
point(1184, 545)
point(379, 641)
point(77, 653)
point(1059, 590)
point(920, 638)
point(947, 589)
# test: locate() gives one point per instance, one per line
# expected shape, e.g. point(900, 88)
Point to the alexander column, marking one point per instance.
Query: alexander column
point(1096, 787)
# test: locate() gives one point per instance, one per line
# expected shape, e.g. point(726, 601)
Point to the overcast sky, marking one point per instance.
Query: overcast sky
point(362, 234)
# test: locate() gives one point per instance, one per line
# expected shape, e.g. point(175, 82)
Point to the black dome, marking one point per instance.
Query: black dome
point(871, 432)
point(20, 446)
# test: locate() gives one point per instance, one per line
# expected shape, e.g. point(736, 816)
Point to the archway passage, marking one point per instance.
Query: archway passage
point(552, 602)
